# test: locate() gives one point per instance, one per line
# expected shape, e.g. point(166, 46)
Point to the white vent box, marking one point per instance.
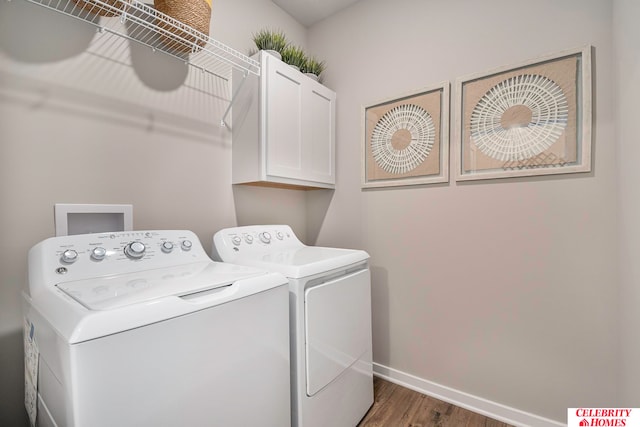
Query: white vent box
point(85, 219)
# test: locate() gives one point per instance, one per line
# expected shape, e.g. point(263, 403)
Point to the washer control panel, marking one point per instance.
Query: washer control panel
point(230, 243)
point(85, 256)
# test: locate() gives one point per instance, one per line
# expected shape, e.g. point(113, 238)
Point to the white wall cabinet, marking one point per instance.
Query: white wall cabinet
point(283, 128)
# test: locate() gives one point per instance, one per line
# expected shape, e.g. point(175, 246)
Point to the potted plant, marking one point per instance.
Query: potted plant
point(313, 68)
point(271, 41)
point(294, 56)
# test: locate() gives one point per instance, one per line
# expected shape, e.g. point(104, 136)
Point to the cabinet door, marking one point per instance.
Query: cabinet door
point(319, 134)
point(283, 120)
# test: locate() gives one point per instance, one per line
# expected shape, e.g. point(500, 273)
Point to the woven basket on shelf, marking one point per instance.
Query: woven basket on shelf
point(194, 13)
point(98, 9)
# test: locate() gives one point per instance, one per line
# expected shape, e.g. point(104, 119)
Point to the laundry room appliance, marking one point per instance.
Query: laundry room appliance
point(330, 317)
point(143, 329)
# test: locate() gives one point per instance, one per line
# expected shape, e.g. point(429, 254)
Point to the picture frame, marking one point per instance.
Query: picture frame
point(532, 118)
point(405, 139)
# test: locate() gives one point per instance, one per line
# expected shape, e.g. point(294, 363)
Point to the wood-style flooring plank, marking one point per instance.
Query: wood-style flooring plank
point(392, 410)
point(430, 412)
point(382, 391)
point(396, 406)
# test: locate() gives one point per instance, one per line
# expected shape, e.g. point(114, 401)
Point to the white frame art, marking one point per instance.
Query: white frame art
point(532, 118)
point(405, 139)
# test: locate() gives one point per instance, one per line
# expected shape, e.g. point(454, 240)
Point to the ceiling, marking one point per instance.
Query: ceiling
point(308, 12)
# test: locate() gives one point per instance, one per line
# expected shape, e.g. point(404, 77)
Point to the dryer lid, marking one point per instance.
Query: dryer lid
point(305, 261)
point(111, 292)
point(337, 328)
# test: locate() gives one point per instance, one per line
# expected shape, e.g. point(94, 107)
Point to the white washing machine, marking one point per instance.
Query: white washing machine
point(330, 315)
point(143, 329)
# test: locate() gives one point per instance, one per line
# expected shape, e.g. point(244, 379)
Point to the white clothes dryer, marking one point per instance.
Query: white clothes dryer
point(330, 317)
point(143, 329)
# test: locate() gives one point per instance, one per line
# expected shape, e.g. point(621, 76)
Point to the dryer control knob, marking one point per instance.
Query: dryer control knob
point(166, 247)
point(265, 237)
point(69, 256)
point(135, 250)
point(98, 253)
point(279, 235)
point(248, 238)
point(236, 240)
point(186, 245)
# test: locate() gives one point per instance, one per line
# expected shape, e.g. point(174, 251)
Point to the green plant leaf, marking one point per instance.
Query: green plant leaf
point(266, 39)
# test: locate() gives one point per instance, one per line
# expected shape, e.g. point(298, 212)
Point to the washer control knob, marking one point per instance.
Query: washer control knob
point(135, 250)
point(265, 237)
point(166, 247)
point(236, 240)
point(248, 238)
point(69, 256)
point(98, 253)
point(279, 235)
point(186, 245)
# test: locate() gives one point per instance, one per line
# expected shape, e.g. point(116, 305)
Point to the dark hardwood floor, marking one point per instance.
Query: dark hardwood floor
point(396, 406)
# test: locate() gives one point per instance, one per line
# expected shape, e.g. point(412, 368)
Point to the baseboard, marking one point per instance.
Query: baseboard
point(476, 404)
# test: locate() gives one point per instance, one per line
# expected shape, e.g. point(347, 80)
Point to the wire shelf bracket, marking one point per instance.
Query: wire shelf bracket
point(223, 122)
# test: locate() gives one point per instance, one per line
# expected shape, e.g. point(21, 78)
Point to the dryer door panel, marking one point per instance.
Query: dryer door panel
point(337, 327)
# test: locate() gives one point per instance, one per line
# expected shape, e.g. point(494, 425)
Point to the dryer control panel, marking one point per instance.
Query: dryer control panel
point(253, 240)
point(276, 248)
point(85, 256)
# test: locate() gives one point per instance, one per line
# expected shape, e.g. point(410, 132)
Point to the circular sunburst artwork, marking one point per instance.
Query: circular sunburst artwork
point(402, 139)
point(519, 118)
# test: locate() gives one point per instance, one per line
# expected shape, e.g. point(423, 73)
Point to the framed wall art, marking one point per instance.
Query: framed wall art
point(530, 119)
point(406, 139)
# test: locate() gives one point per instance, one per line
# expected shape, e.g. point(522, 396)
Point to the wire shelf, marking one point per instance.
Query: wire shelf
point(143, 24)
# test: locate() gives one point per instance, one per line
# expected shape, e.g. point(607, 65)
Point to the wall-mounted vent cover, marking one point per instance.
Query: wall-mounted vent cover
point(85, 219)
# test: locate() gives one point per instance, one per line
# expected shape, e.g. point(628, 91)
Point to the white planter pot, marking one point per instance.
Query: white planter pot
point(274, 53)
point(312, 76)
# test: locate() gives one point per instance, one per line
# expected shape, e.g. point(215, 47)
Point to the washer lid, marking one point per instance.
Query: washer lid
point(305, 261)
point(117, 291)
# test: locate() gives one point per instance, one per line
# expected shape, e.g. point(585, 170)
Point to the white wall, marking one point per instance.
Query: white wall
point(158, 149)
point(504, 289)
point(626, 34)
